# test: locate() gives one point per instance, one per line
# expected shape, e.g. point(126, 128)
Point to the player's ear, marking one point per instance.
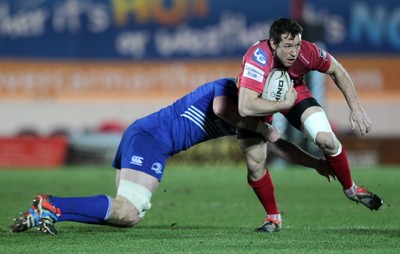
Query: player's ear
point(272, 44)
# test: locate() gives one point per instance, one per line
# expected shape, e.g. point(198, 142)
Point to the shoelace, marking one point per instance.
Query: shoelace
point(50, 211)
point(361, 189)
point(268, 219)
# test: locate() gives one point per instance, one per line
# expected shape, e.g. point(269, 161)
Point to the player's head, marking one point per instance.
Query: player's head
point(285, 40)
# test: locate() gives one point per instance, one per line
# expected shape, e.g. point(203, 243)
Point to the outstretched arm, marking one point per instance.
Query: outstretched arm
point(293, 153)
point(358, 117)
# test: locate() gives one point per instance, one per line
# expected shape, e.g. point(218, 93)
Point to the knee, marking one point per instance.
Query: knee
point(129, 215)
point(327, 141)
point(124, 213)
point(131, 203)
point(255, 164)
point(256, 156)
point(255, 153)
point(255, 169)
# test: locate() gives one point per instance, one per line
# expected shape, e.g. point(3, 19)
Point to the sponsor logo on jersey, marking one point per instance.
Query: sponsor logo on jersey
point(137, 160)
point(157, 167)
point(253, 72)
point(322, 53)
point(260, 56)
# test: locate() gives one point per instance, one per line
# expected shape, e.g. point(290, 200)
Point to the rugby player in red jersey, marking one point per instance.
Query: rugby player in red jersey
point(286, 49)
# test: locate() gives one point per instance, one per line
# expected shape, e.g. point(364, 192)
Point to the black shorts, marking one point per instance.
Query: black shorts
point(294, 115)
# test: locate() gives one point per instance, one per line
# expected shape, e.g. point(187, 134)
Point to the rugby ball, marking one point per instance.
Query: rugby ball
point(276, 85)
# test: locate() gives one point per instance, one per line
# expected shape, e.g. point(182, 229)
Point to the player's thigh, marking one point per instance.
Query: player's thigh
point(147, 181)
point(140, 151)
point(309, 111)
point(141, 178)
point(253, 146)
point(254, 150)
point(117, 177)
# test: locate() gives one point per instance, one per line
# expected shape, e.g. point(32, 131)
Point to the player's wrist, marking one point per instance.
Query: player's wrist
point(270, 133)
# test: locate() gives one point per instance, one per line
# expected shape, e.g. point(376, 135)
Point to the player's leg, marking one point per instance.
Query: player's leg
point(134, 192)
point(294, 154)
point(133, 195)
point(316, 127)
point(141, 159)
point(308, 117)
point(254, 149)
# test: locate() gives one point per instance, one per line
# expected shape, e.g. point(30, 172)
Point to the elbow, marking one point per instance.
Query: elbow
point(219, 110)
point(246, 108)
point(243, 112)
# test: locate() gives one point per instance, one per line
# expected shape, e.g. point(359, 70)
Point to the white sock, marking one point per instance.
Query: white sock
point(351, 191)
point(275, 216)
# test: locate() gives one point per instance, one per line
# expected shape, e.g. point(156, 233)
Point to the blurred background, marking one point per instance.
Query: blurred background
point(74, 74)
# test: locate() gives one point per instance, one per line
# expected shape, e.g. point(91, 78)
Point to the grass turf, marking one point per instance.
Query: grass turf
point(211, 209)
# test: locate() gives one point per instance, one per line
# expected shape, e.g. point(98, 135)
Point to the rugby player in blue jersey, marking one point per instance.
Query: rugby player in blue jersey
point(209, 112)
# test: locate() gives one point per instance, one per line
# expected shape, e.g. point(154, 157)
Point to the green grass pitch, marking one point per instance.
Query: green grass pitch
point(211, 209)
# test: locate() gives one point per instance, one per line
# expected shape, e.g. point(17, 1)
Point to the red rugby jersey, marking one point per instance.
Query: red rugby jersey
point(259, 61)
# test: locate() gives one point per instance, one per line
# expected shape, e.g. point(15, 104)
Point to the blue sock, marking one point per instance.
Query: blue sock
point(80, 218)
point(94, 210)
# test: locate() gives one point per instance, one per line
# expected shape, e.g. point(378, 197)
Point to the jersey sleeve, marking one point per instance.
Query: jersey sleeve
point(226, 87)
point(321, 59)
point(255, 68)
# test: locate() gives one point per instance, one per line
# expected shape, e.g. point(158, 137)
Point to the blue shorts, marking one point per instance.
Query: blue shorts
point(140, 151)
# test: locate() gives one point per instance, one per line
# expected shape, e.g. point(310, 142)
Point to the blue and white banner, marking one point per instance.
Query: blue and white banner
point(133, 29)
point(182, 29)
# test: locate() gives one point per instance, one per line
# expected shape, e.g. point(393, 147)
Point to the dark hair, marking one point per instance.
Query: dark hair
point(283, 26)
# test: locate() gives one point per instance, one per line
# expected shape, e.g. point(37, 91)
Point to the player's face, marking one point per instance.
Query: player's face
point(288, 49)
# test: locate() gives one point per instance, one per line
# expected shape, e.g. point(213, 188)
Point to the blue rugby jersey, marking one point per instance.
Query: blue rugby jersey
point(191, 119)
